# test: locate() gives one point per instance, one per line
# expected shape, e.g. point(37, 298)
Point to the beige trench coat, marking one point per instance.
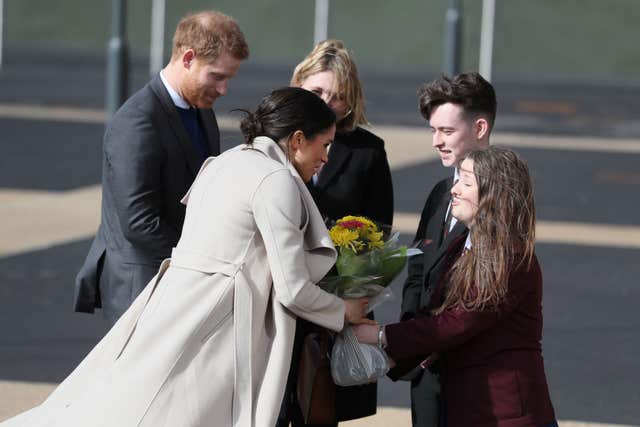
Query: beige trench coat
point(208, 342)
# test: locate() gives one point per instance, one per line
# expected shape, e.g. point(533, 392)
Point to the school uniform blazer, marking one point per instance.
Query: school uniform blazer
point(492, 371)
point(429, 237)
point(149, 163)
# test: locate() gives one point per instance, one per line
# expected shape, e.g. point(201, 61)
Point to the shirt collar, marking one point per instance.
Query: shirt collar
point(467, 243)
point(178, 101)
point(456, 177)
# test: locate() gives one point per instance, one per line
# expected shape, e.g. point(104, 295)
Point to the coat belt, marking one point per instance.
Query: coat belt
point(242, 325)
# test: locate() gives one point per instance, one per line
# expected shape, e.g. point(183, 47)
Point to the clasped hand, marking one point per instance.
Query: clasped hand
point(368, 334)
point(354, 311)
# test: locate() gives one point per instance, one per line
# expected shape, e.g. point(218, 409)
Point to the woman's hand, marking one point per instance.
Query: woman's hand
point(354, 311)
point(367, 334)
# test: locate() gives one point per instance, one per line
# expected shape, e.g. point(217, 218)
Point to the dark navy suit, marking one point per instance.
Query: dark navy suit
point(149, 163)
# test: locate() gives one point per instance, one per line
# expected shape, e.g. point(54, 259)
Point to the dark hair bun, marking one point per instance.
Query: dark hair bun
point(284, 111)
point(250, 126)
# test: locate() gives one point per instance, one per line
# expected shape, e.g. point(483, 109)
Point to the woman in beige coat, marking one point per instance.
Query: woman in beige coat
point(208, 342)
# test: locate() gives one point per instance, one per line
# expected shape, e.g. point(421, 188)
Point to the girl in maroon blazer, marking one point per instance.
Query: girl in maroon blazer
point(484, 320)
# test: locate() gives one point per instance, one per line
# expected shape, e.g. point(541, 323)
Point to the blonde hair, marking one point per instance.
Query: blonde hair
point(208, 33)
point(331, 55)
point(503, 232)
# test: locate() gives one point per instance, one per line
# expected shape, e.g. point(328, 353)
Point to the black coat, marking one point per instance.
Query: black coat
point(149, 163)
point(356, 181)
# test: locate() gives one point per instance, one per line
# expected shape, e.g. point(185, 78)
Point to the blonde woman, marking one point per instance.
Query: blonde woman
point(356, 180)
point(485, 316)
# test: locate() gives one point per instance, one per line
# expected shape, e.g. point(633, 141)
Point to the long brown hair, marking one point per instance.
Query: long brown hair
point(502, 233)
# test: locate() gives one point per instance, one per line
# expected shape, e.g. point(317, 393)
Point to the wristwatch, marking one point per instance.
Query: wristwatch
point(382, 339)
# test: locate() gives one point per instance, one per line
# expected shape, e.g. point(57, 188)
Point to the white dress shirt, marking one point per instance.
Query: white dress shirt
point(178, 101)
point(456, 177)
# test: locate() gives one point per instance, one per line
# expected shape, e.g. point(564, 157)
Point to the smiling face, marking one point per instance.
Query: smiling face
point(204, 81)
point(464, 201)
point(325, 85)
point(454, 134)
point(308, 155)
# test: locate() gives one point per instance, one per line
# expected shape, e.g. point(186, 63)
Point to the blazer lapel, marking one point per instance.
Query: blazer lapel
point(338, 155)
point(431, 264)
point(211, 130)
point(458, 230)
point(175, 123)
point(441, 214)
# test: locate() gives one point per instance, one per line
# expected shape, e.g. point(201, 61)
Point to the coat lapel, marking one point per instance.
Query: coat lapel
point(458, 230)
point(441, 213)
point(175, 123)
point(339, 154)
point(319, 249)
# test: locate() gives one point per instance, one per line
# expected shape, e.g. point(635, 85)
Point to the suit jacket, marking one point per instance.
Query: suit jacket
point(429, 237)
point(208, 342)
point(149, 162)
point(356, 180)
point(492, 371)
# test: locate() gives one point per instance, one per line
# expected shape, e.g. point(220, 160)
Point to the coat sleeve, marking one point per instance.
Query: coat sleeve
point(452, 328)
point(133, 176)
point(278, 209)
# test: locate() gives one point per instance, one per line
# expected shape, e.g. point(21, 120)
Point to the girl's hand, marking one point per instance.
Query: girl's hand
point(367, 334)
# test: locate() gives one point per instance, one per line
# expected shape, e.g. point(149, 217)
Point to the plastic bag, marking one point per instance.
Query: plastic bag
point(355, 363)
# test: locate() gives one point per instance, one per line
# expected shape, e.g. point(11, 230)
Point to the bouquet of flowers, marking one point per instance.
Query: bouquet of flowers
point(366, 265)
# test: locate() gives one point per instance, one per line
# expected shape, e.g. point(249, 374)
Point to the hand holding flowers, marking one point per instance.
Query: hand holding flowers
point(355, 311)
point(366, 265)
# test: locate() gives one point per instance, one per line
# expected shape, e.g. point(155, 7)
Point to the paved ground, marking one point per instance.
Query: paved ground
point(586, 181)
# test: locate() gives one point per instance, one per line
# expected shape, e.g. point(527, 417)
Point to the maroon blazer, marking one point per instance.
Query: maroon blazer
point(492, 372)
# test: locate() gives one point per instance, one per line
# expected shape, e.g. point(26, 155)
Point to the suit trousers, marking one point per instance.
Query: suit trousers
point(426, 400)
